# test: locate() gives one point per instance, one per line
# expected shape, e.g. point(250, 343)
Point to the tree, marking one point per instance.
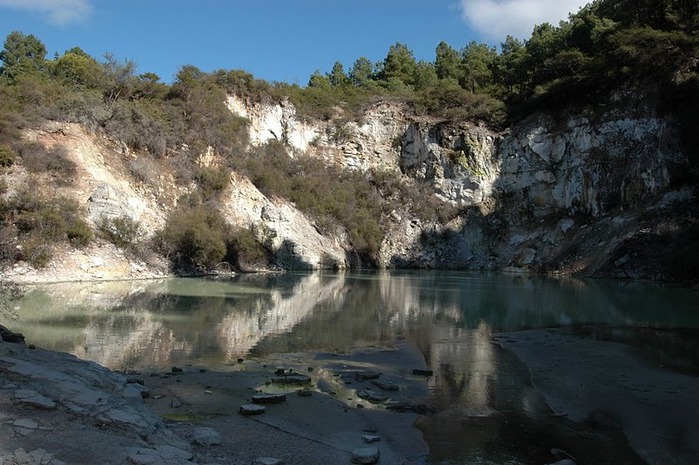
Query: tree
point(337, 76)
point(118, 77)
point(447, 62)
point(508, 68)
point(319, 81)
point(77, 68)
point(148, 86)
point(22, 55)
point(362, 72)
point(425, 76)
point(477, 66)
point(543, 45)
point(399, 65)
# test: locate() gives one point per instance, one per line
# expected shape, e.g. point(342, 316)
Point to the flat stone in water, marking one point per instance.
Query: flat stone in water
point(252, 409)
point(366, 375)
point(423, 372)
point(369, 438)
point(366, 455)
point(161, 454)
point(268, 398)
point(26, 423)
point(371, 396)
point(294, 379)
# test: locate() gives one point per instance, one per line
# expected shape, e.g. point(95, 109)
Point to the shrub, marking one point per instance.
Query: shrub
point(194, 236)
point(7, 156)
point(212, 180)
point(121, 231)
point(79, 233)
point(42, 222)
point(244, 249)
point(37, 252)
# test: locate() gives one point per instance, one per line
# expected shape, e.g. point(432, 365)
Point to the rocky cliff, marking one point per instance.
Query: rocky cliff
point(590, 191)
point(568, 193)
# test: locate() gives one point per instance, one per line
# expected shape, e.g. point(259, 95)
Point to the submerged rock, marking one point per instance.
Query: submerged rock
point(267, 461)
point(294, 379)
point(366, 455)
point(33, 398)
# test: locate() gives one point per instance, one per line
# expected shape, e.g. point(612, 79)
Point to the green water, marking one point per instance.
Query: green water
point(488, 412)
point(141, 324)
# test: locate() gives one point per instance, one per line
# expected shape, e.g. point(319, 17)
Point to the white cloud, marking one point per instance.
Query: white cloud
point(56, 11)
point(495, 19)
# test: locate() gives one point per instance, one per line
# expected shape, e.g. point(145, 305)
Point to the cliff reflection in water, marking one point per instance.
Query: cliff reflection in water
point(450, 316)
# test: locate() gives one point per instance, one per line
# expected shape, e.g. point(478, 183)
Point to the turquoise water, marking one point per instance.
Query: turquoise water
point(487, 411)
point(140, 324)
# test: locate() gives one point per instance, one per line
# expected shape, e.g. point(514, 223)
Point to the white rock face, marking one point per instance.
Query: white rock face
point(273, 122)
point(371, 143)
point(282, 228)
point(459, 160)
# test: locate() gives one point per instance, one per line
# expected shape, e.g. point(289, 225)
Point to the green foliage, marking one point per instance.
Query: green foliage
point(79, 233)
point(7, 156)
point(212, 180)
point(399, 65)
point(477, 65)
point(245, 250)
point(337, 76)
point(42, 222)
point(333, 196)
point(78, 69)
point(447, 62)
point(195, 236)
point(22, 54)
point(362, 72)
point(122, 231)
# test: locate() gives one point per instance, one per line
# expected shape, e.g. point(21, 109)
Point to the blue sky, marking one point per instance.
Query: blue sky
point(275, 40)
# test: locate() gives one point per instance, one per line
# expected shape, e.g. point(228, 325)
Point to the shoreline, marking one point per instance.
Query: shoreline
point(53, 404)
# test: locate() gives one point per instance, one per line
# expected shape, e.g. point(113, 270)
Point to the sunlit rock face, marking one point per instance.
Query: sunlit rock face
point(282, 228)
point(560, 193)
point(371, 143)
point(459, 160)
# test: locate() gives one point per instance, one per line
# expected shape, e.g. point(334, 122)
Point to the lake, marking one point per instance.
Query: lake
point(481, 391)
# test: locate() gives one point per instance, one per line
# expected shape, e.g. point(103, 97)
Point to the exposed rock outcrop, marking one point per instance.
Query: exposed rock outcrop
point(572, 193)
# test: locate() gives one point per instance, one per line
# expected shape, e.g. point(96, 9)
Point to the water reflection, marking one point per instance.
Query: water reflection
point(480, 390)
point(140, 324)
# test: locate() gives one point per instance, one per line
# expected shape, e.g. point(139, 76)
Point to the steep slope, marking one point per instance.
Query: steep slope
point(587, 192)
point(569, 193)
